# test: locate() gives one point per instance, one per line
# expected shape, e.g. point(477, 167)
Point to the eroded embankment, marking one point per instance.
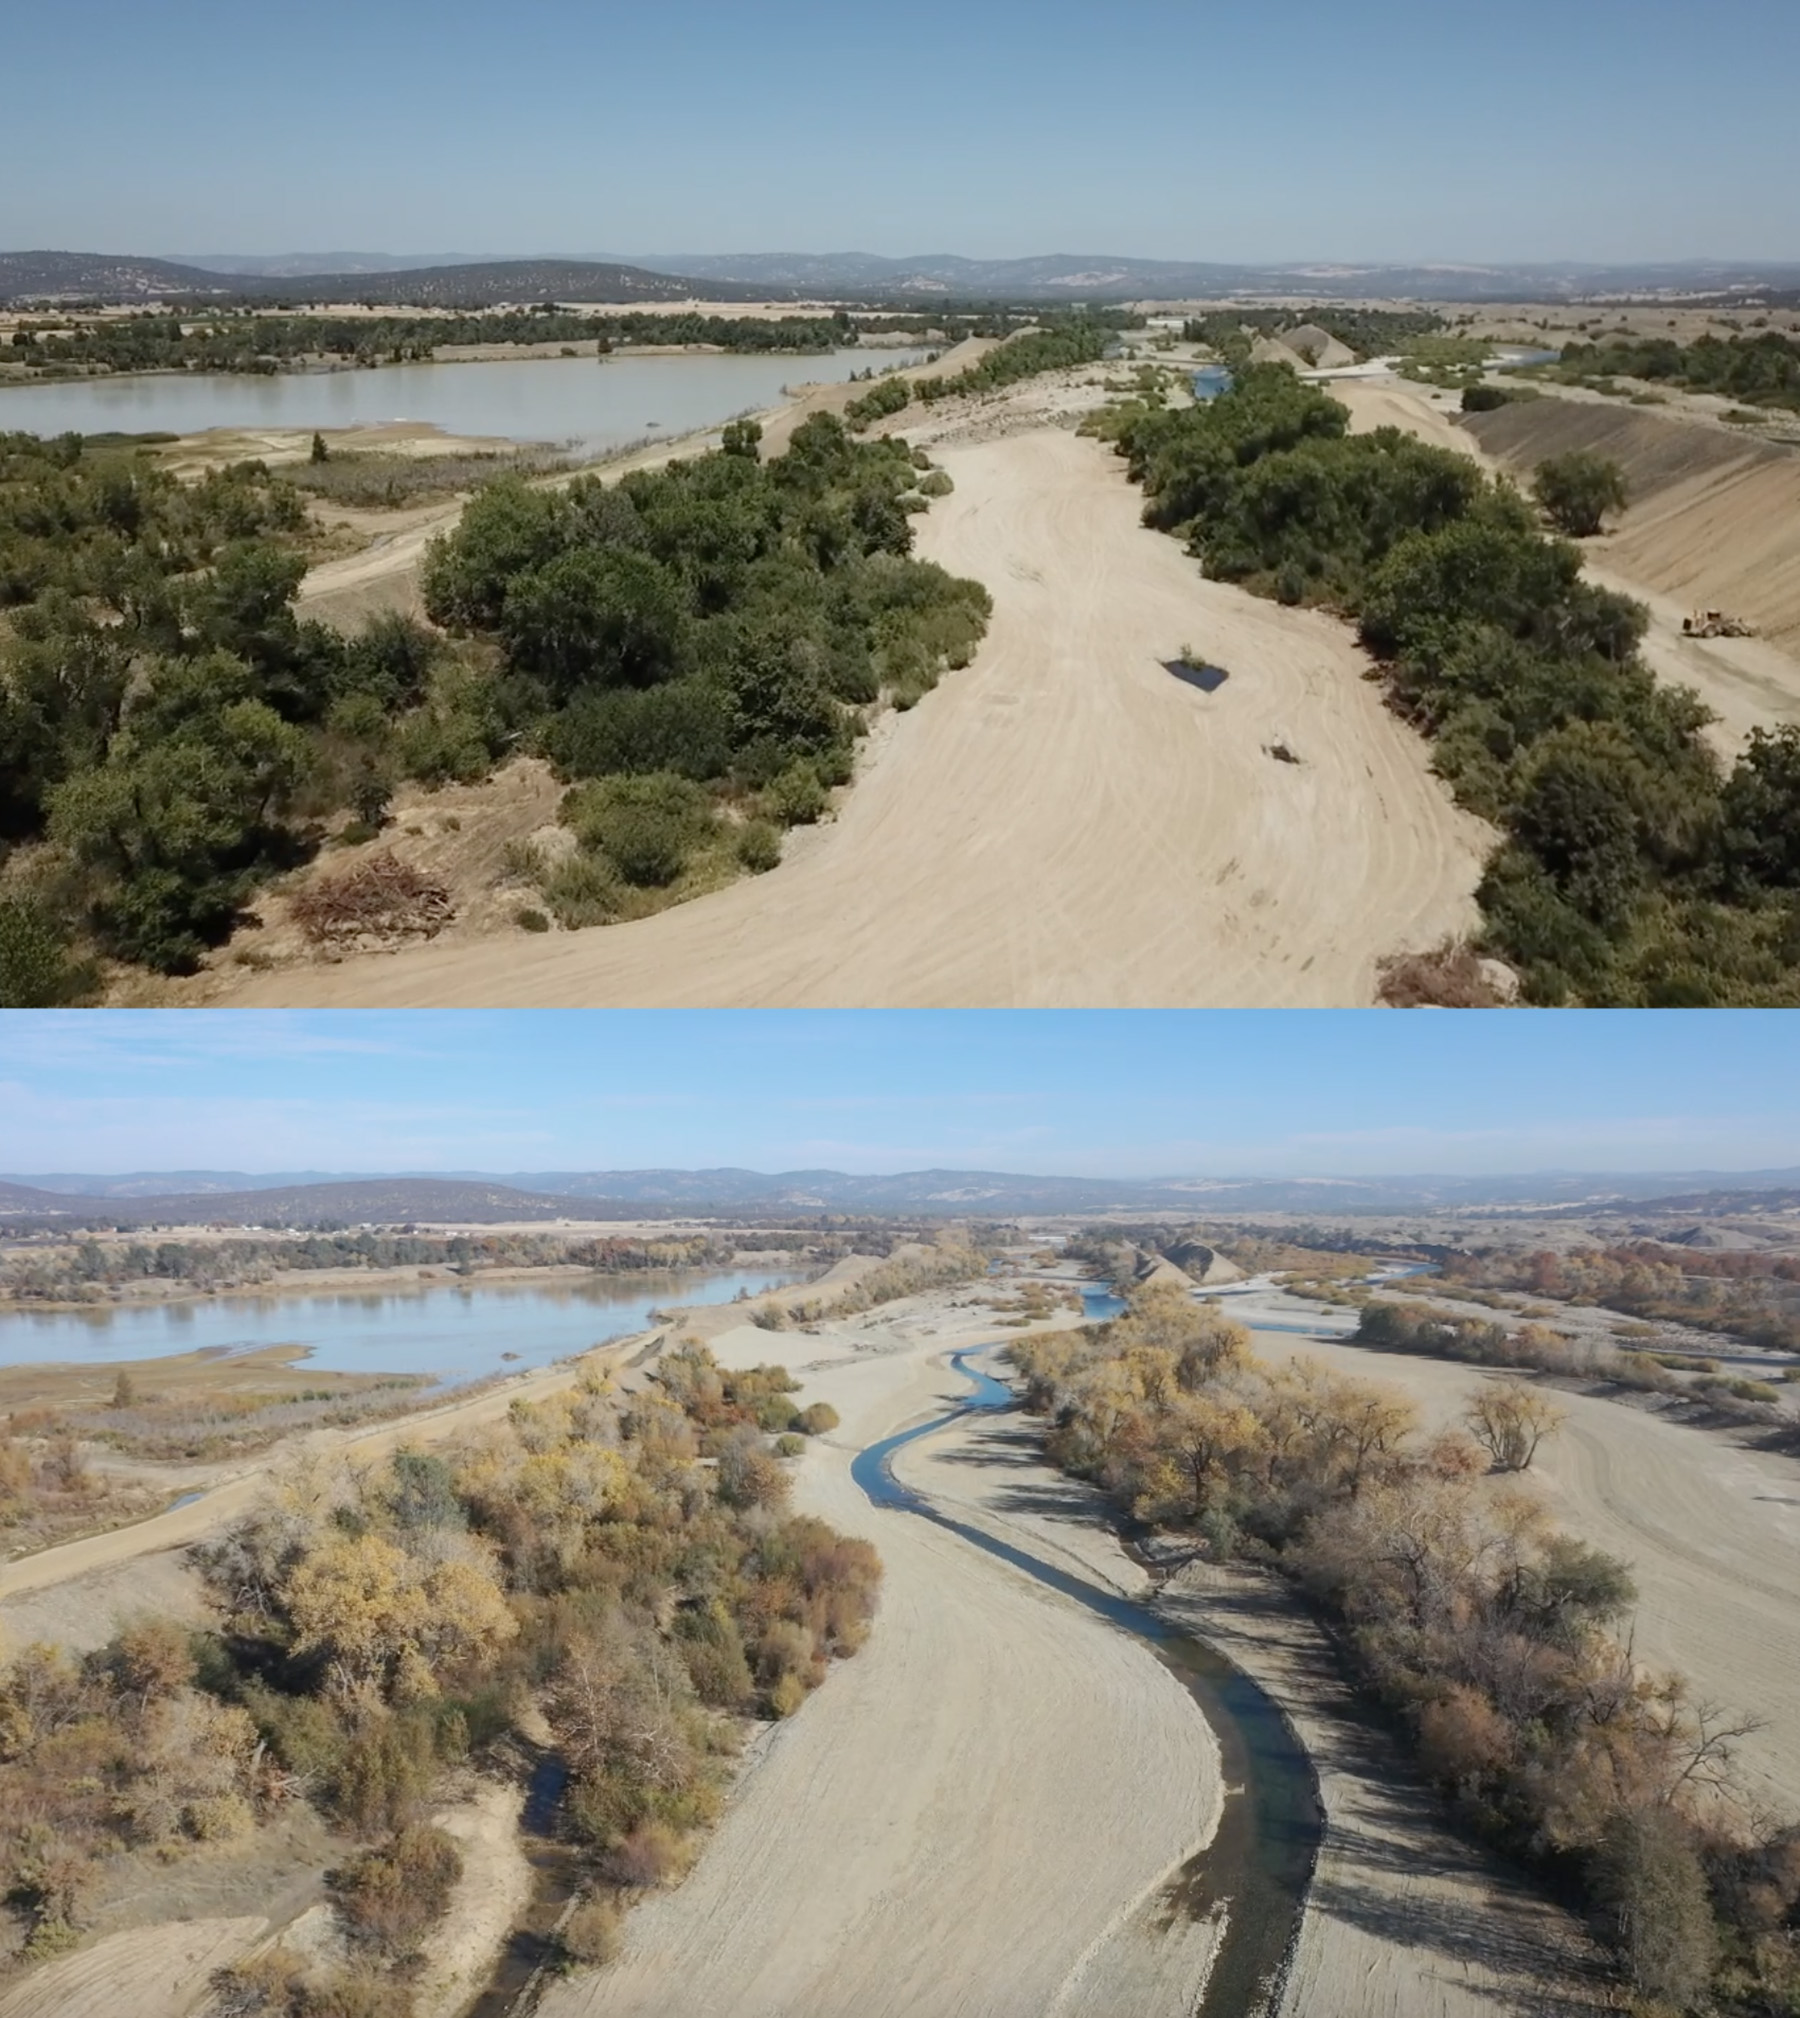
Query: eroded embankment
point(1714, 519)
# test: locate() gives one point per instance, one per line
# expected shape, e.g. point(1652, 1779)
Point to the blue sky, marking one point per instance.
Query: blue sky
point(1235, 129)
point(1121, 1094)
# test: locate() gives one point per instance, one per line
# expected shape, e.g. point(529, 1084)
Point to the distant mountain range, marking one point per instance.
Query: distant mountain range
point(90, 276)
point(464, 280)
point(311, 1197)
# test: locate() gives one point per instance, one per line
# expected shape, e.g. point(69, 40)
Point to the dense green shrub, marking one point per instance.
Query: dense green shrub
point(1578, 490)
point(645, 826)
point(37, 968)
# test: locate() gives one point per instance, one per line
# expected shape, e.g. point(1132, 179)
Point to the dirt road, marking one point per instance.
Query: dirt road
point(1064, 822)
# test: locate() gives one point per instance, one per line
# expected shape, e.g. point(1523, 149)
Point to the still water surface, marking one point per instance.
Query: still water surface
point(595, 404)
point(457, 1332)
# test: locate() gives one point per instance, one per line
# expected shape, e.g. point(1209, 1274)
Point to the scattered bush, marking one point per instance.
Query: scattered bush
point(394, 1896)
point(1578, 490)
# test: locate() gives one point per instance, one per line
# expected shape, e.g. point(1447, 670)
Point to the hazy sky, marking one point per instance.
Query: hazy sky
point(1192, 129)
point(1119, 1094)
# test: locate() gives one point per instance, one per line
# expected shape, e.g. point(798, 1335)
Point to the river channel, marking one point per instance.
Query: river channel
point(1258, 1866)
point(592, 405)
point(456, 1331)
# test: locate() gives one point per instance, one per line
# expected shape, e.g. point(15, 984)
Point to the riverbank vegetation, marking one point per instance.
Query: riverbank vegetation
point(621, 1569)
point(1489, 1637)
point(1633, 870)
point(1058, 347)
point(263, 345)
point(91, 1271)
point(1747, 1295)
point(704, 643)
point(1761, 370)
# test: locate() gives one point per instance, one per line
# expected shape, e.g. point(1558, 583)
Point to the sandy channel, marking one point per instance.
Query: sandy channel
point(1064, 822)
point(978, 1814)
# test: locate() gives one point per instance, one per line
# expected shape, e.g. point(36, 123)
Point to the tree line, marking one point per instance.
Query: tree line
point(1760, 370)
point(271, 343)
point(1633, 869)
point(625, 1569)
point(1056, 348)
point(91, 1268)
point(1491, 1638)
point(1755, 1297)
point(696, 649)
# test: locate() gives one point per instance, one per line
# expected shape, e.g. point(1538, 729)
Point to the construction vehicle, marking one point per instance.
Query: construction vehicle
point(1714, 624)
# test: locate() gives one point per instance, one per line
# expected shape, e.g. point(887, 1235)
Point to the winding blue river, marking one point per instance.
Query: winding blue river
point(1260, 1862)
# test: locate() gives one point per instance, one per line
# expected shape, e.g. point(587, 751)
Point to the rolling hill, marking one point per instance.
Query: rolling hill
point(311, 1198)
point(106, 277)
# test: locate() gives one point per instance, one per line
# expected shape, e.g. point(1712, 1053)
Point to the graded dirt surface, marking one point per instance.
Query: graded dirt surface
point(150, 1972)
point(1710, 1530)
point(1063, 822)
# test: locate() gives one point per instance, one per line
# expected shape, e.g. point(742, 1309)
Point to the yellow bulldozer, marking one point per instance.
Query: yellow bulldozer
point(1714, 624)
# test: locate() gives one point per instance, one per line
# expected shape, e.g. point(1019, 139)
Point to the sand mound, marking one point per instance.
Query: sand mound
point(1271, 350)
point(1318, 347)
point(1202, 1263)
point(1157, 1269)
point(1714, 519)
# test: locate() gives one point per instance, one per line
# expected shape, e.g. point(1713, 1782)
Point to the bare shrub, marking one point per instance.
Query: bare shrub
point(394, 1896)
point(382, 898)
point(591, 1934)
point(1509, 1421)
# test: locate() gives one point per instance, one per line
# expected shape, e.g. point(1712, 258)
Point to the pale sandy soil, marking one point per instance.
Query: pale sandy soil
point(491, 1895)
point(1711, 1531)
point(1715, 523)
point(975, 1815)
point(150, 1972)
point(1061, 823)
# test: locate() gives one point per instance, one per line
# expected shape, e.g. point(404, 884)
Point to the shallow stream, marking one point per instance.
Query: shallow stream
point(1258, 1866)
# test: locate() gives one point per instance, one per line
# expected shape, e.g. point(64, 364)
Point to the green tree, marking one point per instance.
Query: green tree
point(1579, 489)
point(595, 618)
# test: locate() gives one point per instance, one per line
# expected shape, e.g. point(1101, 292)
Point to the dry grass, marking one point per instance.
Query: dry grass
point(378, 482)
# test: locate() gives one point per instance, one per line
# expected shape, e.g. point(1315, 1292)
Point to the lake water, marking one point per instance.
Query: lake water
point(595, 404)
point(457, 1332)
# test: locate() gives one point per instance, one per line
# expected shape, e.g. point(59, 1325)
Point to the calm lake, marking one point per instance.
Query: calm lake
point(596, 404)
point(457, 1332)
